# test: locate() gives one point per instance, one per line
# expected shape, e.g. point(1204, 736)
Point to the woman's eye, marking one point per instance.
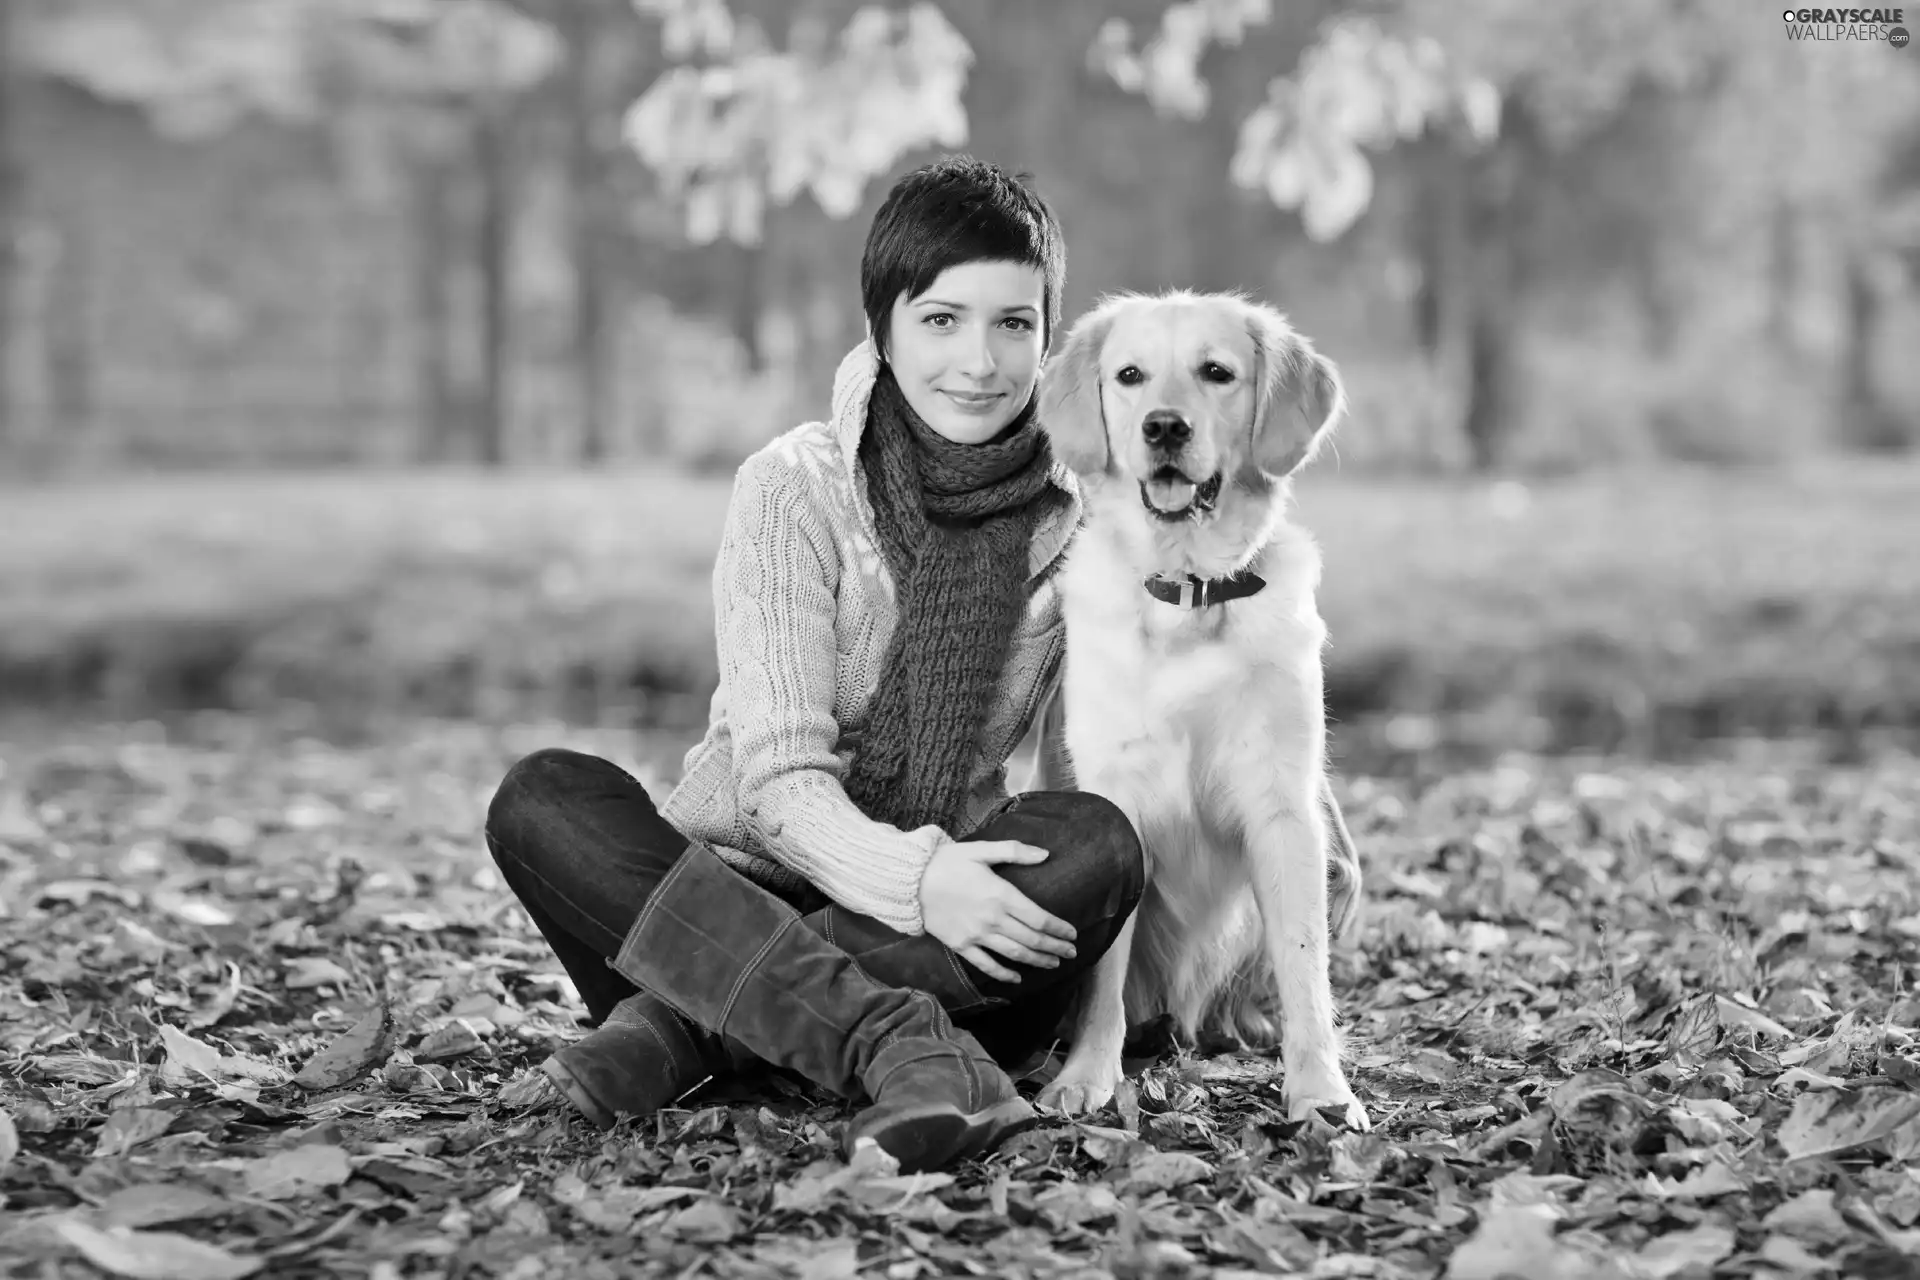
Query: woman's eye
point(1020, 323)
point(939, 316)
point(1213, 371)
point(1129, 376)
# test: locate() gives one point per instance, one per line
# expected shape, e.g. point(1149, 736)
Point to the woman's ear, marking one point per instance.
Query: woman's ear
point(1070, 407)
point(1300, 394)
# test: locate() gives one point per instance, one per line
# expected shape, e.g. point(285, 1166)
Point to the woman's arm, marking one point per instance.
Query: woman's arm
point(775, 604)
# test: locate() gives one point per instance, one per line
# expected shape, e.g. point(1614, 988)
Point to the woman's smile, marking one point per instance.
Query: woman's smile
point(981, 402)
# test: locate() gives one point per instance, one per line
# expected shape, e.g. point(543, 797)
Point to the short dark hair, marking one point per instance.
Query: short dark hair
point(953, 211)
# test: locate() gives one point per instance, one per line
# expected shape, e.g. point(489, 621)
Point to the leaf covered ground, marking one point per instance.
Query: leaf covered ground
point(265, 1009)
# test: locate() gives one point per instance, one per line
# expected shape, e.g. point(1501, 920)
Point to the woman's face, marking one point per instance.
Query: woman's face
point(967, 351)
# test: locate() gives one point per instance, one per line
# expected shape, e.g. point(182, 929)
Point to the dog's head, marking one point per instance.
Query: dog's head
point(1185, 395)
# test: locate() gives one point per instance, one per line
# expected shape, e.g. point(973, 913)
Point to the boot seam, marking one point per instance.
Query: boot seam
point(661, 1040)
point(752, 967)
point(966, 983)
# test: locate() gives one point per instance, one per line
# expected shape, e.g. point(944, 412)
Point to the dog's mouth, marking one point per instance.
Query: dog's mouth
point(1170, 496)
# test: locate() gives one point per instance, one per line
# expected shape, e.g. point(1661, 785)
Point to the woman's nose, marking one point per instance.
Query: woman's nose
point(978, 359)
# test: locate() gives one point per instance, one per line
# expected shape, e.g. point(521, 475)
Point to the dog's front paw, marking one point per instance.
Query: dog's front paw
point(1083, 1086)
point(1330, 1090)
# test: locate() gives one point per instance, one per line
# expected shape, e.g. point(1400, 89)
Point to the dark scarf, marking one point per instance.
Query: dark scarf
point(956, 525)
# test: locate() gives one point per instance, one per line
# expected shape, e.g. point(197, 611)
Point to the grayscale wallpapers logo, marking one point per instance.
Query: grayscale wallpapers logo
point(1822, 25)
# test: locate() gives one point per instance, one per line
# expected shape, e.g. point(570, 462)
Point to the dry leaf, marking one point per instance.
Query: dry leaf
point(149, 1204)
point(454, 1040)
point(153, 1255)
point(1513, 1240)
point(9, 1140)
point(352, 1053)
point(1697, 1248)
point(297, 1172)
point(1826, 1123)
point(710, 1220)
point(1165, 1170)
point(128, 1127)
point(1811, 1215)
point(308, 972)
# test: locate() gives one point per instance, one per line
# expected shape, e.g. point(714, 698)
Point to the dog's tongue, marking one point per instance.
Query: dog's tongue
point(1172, 495)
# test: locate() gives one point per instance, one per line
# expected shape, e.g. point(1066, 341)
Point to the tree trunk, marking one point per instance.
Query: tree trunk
point(1869, 422)
point(587, 182)
point(1653, 291)
point(1488, 421)
point(748, 295)
point(432, 314)
point(69, 332)
point(12, 214)
point(1440, 248)
point(1783, 273)
point(492, 143)
point(1496, 223)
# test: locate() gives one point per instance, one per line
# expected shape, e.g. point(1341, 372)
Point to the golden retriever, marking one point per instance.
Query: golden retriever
point(1192, 693)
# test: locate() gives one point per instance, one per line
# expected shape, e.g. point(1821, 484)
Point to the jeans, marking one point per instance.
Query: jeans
point(582, 846)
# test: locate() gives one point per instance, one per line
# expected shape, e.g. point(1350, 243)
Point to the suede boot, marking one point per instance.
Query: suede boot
point(739, 961)
point(643, 1057)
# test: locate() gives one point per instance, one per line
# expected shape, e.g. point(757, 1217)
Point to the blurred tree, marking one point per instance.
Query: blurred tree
point(434, 85)
point(1502, 100)
point(764, 103)
point(420, 88)
point(12, 220)
point(582, 24)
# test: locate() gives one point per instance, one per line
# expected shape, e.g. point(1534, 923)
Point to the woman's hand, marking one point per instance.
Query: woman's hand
point(968, 905)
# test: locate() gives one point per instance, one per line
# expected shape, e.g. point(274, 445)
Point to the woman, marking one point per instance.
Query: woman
point(840, 884)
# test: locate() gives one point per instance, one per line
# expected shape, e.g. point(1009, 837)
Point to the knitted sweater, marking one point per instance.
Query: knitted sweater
point(803, 610)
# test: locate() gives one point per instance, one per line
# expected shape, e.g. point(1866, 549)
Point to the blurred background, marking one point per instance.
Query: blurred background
point(376, 358)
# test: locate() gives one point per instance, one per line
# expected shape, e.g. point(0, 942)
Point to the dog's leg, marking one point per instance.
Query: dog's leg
point(1092, 1073)
point(1288, 856)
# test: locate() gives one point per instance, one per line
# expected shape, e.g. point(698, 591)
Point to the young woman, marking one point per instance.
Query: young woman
point(841, 884)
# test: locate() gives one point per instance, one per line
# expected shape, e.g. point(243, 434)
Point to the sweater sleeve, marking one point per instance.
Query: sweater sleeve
point(775, 604)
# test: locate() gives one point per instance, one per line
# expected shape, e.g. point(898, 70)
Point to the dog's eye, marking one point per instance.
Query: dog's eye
point(1130, 376)
point(1214, 371)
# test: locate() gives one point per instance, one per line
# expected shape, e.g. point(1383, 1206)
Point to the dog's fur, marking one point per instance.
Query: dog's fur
point(1206, 726)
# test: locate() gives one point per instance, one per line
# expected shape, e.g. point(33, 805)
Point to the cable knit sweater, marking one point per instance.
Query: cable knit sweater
point(803, 610)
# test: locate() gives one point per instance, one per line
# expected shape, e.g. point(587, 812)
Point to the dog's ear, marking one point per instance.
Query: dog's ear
point(1070, 405)
point(1299, 399)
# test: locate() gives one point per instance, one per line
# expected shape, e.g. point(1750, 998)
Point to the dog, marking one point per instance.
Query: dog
point(1192, 692)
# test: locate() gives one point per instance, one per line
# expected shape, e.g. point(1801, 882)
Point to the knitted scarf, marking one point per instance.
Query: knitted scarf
point(955, 522)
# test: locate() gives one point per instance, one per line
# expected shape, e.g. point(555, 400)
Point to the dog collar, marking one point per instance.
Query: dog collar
point(1190, 592)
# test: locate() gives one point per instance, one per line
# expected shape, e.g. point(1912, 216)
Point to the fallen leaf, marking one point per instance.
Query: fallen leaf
point(454, 1040)
point(1512, 1240)
point(81, 1068)
point(1825, 1123)
point(191, 1061)
point(1811, 1215)
point(352, 1053)
point(1734, 1015)
point(148, 1204)
point(128, 1127)
point(1164, 1170)
point(153, 1255)
point(297, 1172)
point(308, 972)
point(710, 1220)
point(1699, 1247)
point(9, 1140)
point(1704, 1183)
point(193, 1057)
point(1791, 1256)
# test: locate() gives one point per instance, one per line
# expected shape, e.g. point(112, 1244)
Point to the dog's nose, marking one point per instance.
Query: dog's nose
point(1165, 428)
